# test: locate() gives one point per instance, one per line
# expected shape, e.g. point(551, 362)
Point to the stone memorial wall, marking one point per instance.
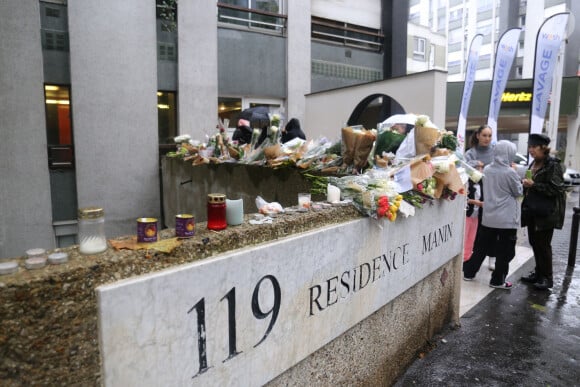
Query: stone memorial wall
point(314, 298)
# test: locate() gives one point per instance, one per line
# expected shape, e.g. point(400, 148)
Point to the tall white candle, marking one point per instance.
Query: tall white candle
point(332, 193)
point(234, 211)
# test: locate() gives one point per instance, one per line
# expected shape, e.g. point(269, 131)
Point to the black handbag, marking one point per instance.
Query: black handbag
point(536, 204)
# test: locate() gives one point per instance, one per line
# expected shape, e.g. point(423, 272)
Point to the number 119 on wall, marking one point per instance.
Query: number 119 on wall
point(198, 310)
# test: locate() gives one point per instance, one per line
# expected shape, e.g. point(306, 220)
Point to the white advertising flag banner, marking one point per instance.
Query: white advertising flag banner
point(504, 58)
point(467, 89)
point(548, 42)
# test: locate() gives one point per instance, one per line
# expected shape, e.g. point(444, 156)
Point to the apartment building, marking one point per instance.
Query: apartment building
point(491, 18)
point(93, 93)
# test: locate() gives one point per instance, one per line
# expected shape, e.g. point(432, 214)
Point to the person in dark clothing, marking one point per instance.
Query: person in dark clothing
point(500, 219)
point(263, 135)
point(546, 183)
point(292, 130)
point(243, 132)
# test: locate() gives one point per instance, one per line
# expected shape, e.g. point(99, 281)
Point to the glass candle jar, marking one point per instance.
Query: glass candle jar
point(92, 238)
point(216, 211)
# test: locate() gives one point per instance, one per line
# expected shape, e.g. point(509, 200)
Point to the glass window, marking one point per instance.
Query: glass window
point(455, 36)
point(228, 110)
point(166, 51)
point(54, 27)
point(346, 34)
point(58, 127)
point(61, 162)
point(418, 48)
point(167, 116)
point(252, 13)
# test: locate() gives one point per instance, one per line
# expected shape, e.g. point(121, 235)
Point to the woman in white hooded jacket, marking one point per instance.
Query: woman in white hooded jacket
point(501, 218)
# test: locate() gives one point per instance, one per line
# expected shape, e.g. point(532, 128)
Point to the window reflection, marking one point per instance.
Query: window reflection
point(167, 116)
point(58, 127)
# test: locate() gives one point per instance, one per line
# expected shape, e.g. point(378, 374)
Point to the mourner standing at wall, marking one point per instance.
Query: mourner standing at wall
point(481, 152)
point(501, 218)
point(543, 208)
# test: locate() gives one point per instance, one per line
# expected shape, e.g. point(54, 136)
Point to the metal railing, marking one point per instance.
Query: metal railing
point(343, 33)
point(278, 22)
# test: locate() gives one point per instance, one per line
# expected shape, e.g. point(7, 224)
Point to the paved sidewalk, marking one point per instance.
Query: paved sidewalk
point(475, 291)
point(521, 337)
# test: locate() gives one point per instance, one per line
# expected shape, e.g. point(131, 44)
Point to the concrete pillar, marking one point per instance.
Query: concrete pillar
point(534, 19)
point(25, 207)
point(298, 56)
point(573, 142)
point(197, 90)
point(113, 54)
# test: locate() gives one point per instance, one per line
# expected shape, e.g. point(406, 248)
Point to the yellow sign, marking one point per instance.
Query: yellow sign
point(509, 96)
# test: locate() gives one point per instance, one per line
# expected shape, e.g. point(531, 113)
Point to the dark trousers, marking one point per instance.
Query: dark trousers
point(502, 242)
point(541, 242)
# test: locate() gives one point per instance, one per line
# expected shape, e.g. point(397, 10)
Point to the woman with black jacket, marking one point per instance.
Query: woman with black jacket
point(543, 208)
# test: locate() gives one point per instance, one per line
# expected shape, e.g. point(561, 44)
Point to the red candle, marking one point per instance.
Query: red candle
point(216, 211)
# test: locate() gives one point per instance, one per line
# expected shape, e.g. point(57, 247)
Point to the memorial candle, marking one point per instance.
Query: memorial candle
point(332, 194)
point(234, 211)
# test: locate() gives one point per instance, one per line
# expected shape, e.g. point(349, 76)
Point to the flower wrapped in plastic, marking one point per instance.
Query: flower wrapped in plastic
point(426, 187)
point(388, 141)
point(357, 146)
point(253, 154)
point(220, 142)
point(183, 146)
point(421, 175)
point(271, 144)
point(450, 181)
point(375, 196)
point(312, 152)
point(426, 135)
point(473, 174)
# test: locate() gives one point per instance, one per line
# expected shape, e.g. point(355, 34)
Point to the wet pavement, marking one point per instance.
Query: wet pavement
point(521, 337)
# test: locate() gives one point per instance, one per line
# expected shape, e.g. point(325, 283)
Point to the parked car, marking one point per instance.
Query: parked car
point(571, 177)
point(520, 159)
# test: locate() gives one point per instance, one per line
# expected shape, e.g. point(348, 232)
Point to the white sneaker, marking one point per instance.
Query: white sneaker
point(491, 263)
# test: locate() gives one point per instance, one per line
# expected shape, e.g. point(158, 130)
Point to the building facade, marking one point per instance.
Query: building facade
point(95, 92)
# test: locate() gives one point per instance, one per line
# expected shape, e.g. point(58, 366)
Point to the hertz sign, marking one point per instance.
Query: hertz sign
point(516, 98)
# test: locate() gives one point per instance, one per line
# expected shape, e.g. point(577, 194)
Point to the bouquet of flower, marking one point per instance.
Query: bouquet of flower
point(374, 196)
point(426, 135)
point(253, 154)
point(427, 186)
point(473, 174)
point(271, 145)
point(449, 180)
point(448, 141)
point(315, 156)
point(388, 141)
point(220, 143)
point(183, 146)
point(357, 145)
point(421, 171)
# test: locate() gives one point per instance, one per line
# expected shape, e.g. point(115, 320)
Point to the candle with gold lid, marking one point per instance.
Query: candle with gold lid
point(92, 238)
point(216, 211)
